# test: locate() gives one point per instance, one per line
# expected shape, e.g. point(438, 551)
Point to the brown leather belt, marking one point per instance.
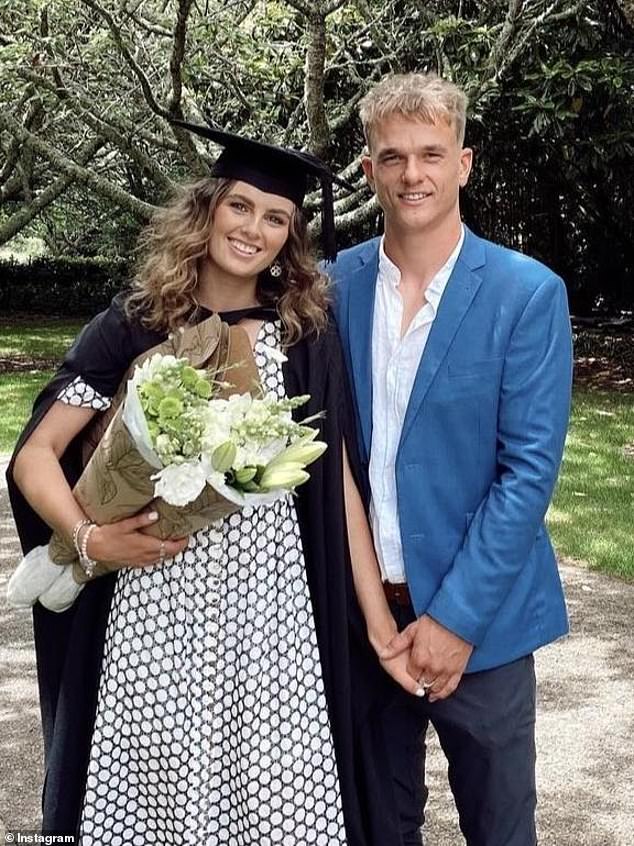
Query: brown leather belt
point(397, 593)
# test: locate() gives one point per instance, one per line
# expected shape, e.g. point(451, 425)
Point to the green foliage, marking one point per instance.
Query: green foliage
point(551, 118)
point(70, 287)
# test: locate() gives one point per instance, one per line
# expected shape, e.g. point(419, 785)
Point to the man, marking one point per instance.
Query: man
point(460, 356)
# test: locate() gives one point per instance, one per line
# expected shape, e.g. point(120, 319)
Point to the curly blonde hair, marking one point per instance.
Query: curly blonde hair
point(174, 245)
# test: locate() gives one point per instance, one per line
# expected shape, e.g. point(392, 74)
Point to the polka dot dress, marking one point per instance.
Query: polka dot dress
point(212, 725)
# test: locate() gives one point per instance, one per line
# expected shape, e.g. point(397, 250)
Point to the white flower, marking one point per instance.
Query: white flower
point(217, 422)
point(180, 484)
point(153, 365)
point(163, 443)
point(215, 479)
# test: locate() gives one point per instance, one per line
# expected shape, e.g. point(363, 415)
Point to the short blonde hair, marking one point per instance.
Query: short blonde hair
point(421, 96)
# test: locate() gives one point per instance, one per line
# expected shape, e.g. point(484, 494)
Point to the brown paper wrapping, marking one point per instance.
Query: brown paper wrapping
point(116, 484)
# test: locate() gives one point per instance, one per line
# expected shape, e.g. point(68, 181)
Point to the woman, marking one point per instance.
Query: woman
point(174, 710)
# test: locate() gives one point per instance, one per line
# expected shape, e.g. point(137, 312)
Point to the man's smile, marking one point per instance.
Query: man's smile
point(414, 196)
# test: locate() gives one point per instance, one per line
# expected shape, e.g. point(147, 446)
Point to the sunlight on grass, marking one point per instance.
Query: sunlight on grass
point(17, 392)
point(592, 514)
point(557, 516)
point(44, 339)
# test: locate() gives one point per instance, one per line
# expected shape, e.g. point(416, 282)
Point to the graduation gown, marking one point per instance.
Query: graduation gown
point(69, 646)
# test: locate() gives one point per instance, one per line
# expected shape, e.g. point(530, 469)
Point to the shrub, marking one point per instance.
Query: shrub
point(70, 287)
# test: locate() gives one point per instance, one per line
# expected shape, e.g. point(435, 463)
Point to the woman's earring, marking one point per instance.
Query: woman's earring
point(275, 269)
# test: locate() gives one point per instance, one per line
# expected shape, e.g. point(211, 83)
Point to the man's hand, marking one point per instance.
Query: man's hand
point(437, 657)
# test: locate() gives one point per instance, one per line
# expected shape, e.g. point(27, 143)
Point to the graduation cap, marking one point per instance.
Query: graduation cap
point(276, 170)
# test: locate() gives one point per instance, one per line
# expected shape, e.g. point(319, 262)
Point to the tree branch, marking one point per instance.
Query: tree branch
point(80, 174)
point(83, 108)
point(129, 58)
point(349, 220)
point(358, 216)
point(13, 153)
point(178, 55)
point(513, 54)
point(30, 211)
point(151, 28)
point(507, 32)
point(122, 123)
point(44, 31)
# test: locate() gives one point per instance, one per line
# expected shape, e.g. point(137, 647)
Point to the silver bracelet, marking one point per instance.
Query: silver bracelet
point(79, 525)
point(86, 563)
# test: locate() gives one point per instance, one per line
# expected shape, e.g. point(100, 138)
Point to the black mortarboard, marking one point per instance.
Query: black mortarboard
point(276, 170)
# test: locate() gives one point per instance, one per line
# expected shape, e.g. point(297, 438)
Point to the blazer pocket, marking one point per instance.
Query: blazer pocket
point(474, 369)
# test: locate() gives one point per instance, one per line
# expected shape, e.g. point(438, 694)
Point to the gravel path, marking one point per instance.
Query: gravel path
point(585, 720)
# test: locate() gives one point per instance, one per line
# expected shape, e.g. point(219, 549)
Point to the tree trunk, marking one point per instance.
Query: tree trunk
point(319, 133)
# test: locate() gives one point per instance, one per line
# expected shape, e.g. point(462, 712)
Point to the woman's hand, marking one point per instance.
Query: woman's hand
point(124, 543)
point(397, 668)
point(395, 664)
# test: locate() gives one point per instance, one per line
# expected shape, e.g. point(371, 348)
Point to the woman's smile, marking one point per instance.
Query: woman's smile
point(243, 248)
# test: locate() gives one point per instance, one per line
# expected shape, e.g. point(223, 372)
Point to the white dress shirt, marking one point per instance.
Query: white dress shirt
point(395, 360)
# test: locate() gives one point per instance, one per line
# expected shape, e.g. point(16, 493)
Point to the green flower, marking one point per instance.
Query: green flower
point(203, 389)
point(189, 377)
point(170, 407)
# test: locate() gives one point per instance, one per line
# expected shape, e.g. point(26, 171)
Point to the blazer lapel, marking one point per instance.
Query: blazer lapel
point(461, 288)
point(362, 288)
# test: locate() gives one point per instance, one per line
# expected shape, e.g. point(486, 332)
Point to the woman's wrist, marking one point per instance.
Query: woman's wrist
point(94, 545)
point(380, 633)
point(76, 532)
point(83, 536)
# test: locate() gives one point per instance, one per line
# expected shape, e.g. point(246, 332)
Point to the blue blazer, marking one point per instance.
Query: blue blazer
point(481, 443)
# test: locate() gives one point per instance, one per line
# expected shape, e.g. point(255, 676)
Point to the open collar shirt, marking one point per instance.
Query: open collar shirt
point(395, 361)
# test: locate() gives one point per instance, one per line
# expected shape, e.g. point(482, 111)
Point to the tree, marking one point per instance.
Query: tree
point(88, 87)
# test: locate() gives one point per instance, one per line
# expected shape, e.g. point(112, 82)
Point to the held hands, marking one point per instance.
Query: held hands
point(395, 665)
point(433, 656)
point(125, 544)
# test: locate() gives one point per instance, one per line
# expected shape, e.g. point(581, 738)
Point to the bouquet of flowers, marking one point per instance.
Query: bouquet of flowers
point(192, 442)
point(249, 450)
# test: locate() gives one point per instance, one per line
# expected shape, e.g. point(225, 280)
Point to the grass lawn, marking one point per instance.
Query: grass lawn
point(17, 392)
point(47, 339)
point(592, 514)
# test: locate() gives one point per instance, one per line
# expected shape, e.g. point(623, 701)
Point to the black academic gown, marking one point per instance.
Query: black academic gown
point(69, 646)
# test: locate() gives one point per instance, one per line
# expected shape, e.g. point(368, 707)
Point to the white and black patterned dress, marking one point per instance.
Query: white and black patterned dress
point(212, 725)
